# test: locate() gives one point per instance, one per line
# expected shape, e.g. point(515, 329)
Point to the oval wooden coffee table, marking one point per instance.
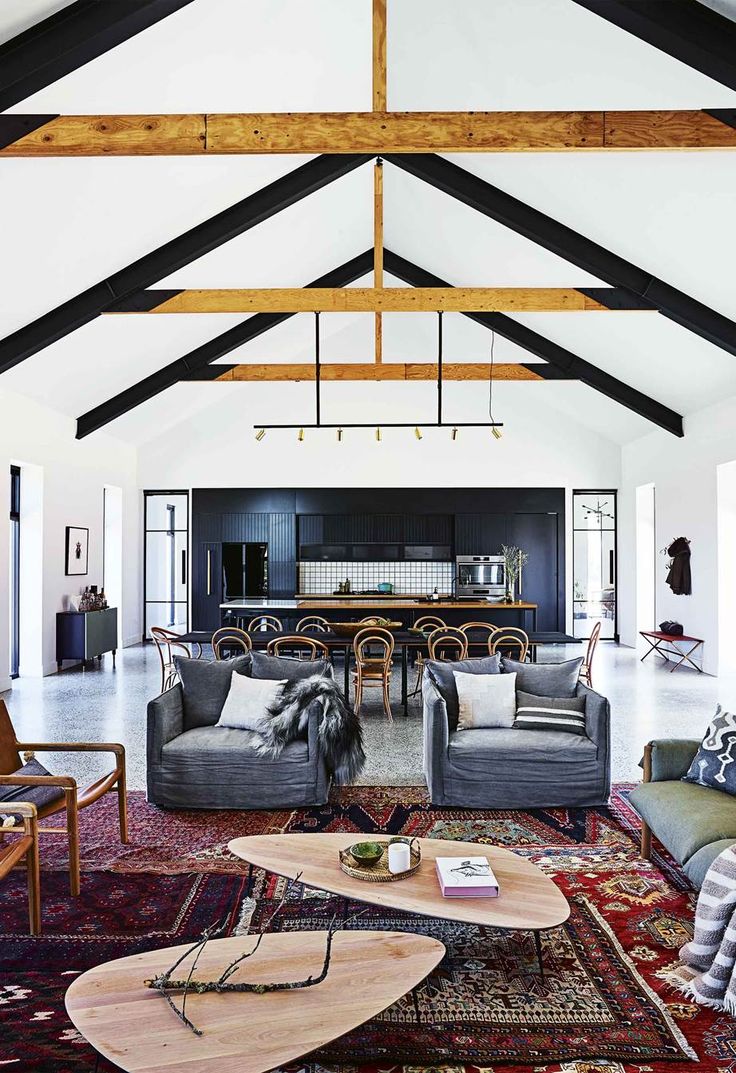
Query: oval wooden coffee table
point(528, 899)
point(133, 1026)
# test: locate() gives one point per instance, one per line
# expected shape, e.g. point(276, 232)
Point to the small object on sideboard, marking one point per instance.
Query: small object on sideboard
point(86, 635)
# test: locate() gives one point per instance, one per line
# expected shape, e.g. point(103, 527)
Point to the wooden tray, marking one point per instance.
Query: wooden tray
point(378, 872)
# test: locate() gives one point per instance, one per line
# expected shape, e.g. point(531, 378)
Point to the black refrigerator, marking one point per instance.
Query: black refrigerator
point(244, 571)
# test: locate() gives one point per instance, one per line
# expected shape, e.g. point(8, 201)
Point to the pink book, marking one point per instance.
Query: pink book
point(466, 877)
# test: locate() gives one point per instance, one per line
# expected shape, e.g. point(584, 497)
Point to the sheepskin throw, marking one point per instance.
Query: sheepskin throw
point(707, 969)
point(339, 737)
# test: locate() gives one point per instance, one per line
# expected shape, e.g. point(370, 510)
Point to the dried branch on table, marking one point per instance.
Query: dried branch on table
point(167, 984)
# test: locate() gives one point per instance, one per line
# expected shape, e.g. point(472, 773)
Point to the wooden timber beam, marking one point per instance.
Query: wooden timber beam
point(411, 371)
point(379, 56)
point(363, 132)
point(383, 300)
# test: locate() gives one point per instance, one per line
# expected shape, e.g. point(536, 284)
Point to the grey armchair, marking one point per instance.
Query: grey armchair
point(194, 764)
point(507, 768)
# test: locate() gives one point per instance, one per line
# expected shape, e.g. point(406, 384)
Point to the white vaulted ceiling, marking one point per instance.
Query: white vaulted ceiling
point(67, 223)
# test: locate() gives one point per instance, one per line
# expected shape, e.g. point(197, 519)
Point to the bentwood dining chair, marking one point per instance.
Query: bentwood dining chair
point(227, 638)
point(425, 623)
point(70, 800)
point(373, 648)
point(25, 848)
point(298, 647)
point(448, 643)
point(512, 642)
point(265, 624)
point(312, 624)
point(479, 633)
point(586, 671)
point(168, 645)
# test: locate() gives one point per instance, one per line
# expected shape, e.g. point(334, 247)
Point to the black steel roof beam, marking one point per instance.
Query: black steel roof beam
point(564, 361)
point(685, 29)
point(189, 366)
point(570, 245)
point(180, 251)
point(70, 38)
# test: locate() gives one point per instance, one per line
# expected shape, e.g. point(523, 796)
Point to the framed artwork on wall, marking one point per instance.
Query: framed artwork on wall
point(77, 550)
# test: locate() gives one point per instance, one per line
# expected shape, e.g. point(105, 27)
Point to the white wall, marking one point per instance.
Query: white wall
point(684, 473)
point(73, 477)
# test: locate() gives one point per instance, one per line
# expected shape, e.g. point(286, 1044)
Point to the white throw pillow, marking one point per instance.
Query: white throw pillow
point(485, 700)
point(247, 701)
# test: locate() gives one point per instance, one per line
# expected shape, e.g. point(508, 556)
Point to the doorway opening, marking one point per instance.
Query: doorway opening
point(646, 559)
point(14, 588)
point(166, 560)
point(726, 500)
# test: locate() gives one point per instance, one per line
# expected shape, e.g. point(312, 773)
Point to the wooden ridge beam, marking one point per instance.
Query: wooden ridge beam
point(377, 300)
point(362, 132)
point(350, 372)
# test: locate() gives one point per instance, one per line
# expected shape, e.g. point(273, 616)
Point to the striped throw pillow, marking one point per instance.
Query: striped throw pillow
point(550, 713)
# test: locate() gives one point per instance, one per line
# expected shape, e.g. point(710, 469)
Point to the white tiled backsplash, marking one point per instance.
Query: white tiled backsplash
point(405, 577)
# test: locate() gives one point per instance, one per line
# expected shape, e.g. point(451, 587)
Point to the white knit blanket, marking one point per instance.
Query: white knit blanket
point(707, 969)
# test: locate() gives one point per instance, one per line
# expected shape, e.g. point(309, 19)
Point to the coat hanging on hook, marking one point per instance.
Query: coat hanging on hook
point(678, 574)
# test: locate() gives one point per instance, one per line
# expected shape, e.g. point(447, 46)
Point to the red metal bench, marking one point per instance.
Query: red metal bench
point(657, 640)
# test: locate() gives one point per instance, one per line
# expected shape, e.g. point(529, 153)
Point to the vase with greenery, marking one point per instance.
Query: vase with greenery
point(514, 559)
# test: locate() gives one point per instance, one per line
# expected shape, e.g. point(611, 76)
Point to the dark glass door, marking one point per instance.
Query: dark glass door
point(14, 571)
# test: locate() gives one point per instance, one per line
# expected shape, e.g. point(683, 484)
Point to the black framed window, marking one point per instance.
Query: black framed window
point(14, 571)
point(166, 567)
point(594, 555)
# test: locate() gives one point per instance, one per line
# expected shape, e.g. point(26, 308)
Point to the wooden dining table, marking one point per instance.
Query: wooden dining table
point(406, 642)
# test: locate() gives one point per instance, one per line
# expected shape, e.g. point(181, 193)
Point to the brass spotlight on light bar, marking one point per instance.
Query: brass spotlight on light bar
point(300, 437)
point(378, 433)
point(418, 432)
point(339, 435)
point(260, 434)
point(454, 433)
point(496, 432)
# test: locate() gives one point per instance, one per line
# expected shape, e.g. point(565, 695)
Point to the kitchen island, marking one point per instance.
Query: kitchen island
point(347, 607)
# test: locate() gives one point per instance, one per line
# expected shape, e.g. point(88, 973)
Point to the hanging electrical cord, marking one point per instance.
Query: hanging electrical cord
point(494, 428)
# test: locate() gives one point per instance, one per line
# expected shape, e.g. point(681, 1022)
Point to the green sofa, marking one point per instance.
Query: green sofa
point(694, 823)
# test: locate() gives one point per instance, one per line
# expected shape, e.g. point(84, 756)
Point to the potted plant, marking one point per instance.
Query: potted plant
point(515, 559)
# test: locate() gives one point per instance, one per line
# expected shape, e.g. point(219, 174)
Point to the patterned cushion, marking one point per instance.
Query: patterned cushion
point(40, 796)
point(550, 713)
point(715, 762)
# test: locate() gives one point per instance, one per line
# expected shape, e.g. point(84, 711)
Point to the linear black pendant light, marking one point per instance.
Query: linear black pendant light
point(439, 423)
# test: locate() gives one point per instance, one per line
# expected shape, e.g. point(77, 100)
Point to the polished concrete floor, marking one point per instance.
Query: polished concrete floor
point(99, 704)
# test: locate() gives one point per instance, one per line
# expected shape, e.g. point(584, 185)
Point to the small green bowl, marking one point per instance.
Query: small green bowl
point(366, 853)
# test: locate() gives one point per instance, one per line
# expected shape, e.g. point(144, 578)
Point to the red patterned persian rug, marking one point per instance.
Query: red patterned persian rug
point(602, 1008)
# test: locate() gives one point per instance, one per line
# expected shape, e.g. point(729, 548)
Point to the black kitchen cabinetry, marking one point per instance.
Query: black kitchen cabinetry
point(454, 521)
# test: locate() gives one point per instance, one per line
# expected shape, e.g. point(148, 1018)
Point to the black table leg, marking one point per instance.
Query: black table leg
point(538, 948)
point(346, 680)
point(404, 678)
point(249, 882)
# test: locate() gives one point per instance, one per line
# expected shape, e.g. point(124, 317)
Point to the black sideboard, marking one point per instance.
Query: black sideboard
point(86, 635)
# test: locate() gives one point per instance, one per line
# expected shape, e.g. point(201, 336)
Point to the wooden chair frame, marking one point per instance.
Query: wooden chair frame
point(373, 670)
point(74, 800)
point(25, 847)
point(438, 623)
point(312, 622)
point(234, 636)
point(449, 636)
point(312, 645)
point(586, 671)
point(169, 642)
point(265, 623)
point(510, 637)
point(467, 627)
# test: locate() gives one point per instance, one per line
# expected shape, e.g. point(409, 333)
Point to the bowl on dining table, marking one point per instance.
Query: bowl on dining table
point(349, 629)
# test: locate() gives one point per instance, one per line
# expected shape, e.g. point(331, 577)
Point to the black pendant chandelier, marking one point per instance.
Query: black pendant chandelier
point(318, 423)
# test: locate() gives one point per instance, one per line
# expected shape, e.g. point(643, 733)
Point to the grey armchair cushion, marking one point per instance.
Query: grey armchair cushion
point(685, 817)
point(476, 748)
point(443, 676)
point(205, 687)
point(40, 796)
point(277, 668)
point(545, 679)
